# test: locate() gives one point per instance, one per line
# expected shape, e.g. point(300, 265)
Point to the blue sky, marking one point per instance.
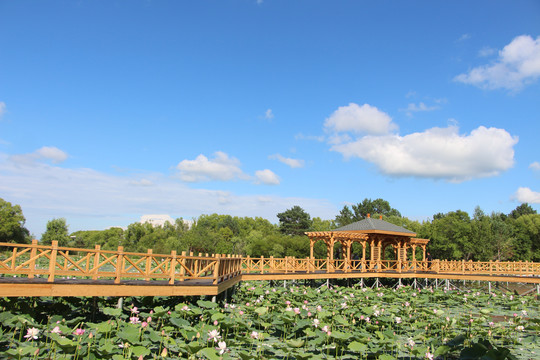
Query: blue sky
point(110, 110)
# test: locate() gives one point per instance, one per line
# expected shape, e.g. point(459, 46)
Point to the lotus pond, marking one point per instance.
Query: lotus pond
point(265, 322)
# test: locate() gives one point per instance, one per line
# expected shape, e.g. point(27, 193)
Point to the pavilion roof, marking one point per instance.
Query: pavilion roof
point(370, 225)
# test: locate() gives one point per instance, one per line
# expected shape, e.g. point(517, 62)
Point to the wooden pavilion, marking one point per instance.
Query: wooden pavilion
point(376, 233)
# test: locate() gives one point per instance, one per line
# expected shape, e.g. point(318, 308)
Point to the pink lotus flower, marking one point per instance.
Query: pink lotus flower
point(79, 332)
point(56, 330)
point(134, 320)
point(213, 335)
point(135, 310)
point(31, 333)
point(222, 347)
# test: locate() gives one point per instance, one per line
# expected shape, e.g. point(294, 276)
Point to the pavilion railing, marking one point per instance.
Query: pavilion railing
point(54, 263)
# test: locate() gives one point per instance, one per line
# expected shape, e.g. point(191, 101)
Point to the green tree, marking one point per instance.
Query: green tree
point(361, 210)
point(322, 225)
point(12, 224)
point(449, 236)
point(503, 237)
point(523, 209)
point(294, 221)
point(527, 240)
point(57, 229)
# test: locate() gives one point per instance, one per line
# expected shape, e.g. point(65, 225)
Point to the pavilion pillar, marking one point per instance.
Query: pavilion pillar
point(413, 246)
point(330, 266)
point(363, 255)
point(424, 253)
point(311, 244)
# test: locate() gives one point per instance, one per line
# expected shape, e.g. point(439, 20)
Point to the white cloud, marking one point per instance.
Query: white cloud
point(221, 167)
point(535, 166)
point(526, 195)
point(2, 108)
point(267, 177)
point(90, 199)
point(268, 114)
point(142, 182)
point(293, 163)
point(486, 51)
point(440, 153)
point(517, 65)
point(365, 119)
point(421, 107)
point(51, 153)
point(301, 136)
point(464, 37)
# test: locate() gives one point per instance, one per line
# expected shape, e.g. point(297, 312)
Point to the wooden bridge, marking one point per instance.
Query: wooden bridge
point(50, 270)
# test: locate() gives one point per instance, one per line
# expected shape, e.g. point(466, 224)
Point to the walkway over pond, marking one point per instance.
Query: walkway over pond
point(50, 270)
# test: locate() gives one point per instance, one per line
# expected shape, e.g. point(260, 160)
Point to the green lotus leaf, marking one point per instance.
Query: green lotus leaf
point(207, 304)
point(140, 351)
point(194, 347)
point(339, 335)
point(295, 343)
point(129, 334)
point(114, 312)
point(261, 310)
point(358, 347)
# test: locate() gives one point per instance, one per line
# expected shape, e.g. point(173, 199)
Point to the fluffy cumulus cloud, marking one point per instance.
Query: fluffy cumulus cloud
point(526, 195)
point(365, 119)
point(441, 153)
point(221, 167)
point(518, 64)
point(293, 163)
point(267, 177)
point(47, 153)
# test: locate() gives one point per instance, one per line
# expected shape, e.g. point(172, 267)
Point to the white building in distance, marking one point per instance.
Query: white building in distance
point(156, 220)
point(160, 220)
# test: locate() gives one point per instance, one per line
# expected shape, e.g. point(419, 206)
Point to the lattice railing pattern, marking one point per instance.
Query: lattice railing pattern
point(54, 262)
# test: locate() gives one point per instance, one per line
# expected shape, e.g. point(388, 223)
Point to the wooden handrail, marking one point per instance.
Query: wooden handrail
point(55, 262)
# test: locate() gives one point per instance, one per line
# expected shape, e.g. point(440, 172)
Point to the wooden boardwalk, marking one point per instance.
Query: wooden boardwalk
point(41, 270)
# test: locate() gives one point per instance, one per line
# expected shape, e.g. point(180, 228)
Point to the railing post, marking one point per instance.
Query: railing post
point(33, 254)
point(216, 270)
point(308, 265)
point(95, 269)
point(182, 266)
point(52, 261)
point(173, 267)
point(14, 259)
point(262, 264)
point(148, 264)
point(119, 264)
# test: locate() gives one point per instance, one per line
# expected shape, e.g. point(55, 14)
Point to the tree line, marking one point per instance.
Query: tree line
point(455, 235)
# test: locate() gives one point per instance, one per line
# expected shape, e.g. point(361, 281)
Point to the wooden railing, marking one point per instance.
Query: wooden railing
point(286, 265)
point(54, 262)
